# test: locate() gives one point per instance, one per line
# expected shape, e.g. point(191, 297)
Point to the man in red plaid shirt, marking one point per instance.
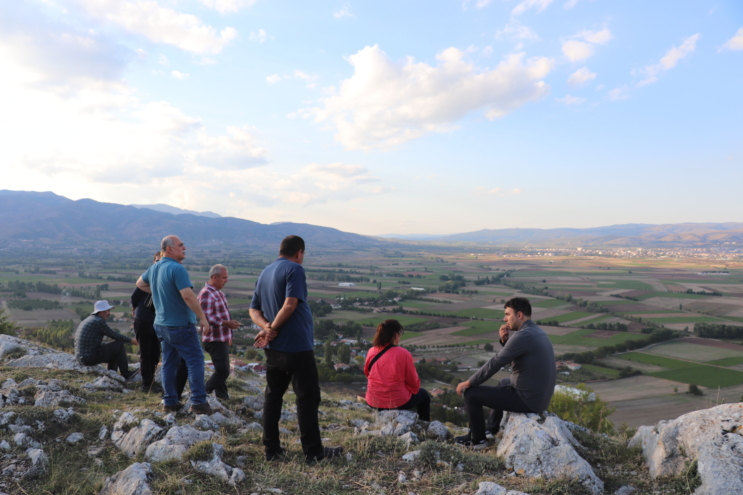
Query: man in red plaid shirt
point(218, 339)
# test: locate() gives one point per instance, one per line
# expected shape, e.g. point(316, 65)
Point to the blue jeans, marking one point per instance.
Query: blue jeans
point(180, 342)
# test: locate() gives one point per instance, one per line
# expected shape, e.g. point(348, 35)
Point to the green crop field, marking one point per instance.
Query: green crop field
point(601, 370)
point(664, 362)
point(547, 303)
point(485, 326)
point(594, 321)
point(417, 304)
point(730, 361)
point(625, 284)
point(474, 331)
point(403, 319)
point(410, 335)
point(476, 312)
point(707, 376)
point(542, 274)
point(672, 295)
point(569, 316)
point(686, 319)
point(579, 338)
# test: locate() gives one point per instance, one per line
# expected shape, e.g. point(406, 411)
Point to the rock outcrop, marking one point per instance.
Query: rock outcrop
point(176, 442)
point(534, 446)
point(713, 437)
point(133, 480)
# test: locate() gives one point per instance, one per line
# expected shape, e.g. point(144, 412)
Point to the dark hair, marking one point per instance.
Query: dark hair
point(157, 256)
point(291, 245)
point(519, 304)
point(386, 332)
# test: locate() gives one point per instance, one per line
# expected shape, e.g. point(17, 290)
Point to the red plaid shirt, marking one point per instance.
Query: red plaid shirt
point(215, 309)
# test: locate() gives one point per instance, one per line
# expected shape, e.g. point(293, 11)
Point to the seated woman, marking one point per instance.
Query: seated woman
point(393, 382)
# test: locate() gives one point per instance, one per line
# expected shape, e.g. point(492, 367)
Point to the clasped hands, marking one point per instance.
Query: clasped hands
point(265, 336)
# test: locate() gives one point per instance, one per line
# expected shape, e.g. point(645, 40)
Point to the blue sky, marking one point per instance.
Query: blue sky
point(381, 117)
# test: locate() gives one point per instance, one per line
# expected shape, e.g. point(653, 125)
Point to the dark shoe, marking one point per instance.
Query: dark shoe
point(204, 408)
point(222, 396)
point(154, 388)
point(328, 453)
point(466, 441)
point(131, 374)
point(275, 456)
point(173, 408)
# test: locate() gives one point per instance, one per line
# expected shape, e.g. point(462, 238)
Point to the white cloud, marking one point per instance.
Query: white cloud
point(539, 5)
point(298, 74)
point(576, 50)
point(571, 3)
point(385, 104)
point(179, 75)
point(620, 93)
point(163, 60)
point(736, 42)
point(581, 76)
point(261, 36)
point(571, 100)
point(596, 37)
point(345, 11)
point(273, 79)
point(514, 30)
point(224, 6)
point(669, 60)
point(161, 24)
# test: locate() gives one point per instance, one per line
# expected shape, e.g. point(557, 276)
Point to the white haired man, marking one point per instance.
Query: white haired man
point(218, 339)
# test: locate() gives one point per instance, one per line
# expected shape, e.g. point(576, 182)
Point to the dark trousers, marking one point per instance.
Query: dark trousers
point(112, 353)
point(421, 402)
point(299, 369)
point(149, 349)
point(501, 398)
point(220, 353)
point(181, 378)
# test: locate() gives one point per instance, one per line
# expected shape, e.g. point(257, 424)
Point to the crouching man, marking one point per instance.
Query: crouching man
point(531, 385)
point(89, 349)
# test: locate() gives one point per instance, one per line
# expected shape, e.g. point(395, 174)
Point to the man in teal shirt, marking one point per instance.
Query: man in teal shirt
point(177, 310)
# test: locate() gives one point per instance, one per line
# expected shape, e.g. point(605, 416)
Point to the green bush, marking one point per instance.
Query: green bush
point(578, 409)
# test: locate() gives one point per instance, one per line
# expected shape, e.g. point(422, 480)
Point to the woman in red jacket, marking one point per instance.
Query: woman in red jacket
point(393, 382)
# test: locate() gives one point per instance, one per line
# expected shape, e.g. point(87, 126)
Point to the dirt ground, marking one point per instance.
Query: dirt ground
point(693, 351)
point(635, 387)
point(557, 330)
point(601, 334)
point(713, 343)
point(648, 411)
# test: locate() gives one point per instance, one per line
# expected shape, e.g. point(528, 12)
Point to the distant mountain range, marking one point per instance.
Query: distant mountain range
point(637, 235)
point(51, 219)
point(178, 211)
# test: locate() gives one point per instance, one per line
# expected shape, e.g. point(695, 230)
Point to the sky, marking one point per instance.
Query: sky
point(404, 116)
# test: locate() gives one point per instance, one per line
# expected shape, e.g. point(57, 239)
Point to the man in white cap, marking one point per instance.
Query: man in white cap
point(89, 349)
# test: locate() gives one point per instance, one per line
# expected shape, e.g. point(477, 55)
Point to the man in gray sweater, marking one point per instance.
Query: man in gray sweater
point(531, 385)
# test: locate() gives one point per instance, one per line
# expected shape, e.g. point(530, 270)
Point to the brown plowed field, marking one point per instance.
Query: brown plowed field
point(713, 343)
point(601, 334)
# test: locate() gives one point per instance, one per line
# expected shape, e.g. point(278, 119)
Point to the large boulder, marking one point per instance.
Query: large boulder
point(712, 437)
point(536, 448)
point(176, 442)
point(133, 480)
point(138, 438)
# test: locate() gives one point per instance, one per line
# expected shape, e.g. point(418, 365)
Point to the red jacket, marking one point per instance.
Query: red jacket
point(392, 380)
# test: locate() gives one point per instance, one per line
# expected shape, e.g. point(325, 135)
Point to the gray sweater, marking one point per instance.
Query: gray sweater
point(532, 359)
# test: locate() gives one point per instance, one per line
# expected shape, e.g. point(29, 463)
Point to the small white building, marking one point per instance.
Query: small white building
point(346, 284)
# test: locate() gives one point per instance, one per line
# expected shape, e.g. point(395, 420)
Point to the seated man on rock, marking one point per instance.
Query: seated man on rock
point(89, 349)
point(531, 385)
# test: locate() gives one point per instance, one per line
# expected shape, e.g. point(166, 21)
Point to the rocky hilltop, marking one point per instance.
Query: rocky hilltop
point(67, 428)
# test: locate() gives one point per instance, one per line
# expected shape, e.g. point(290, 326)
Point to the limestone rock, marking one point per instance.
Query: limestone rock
point(73, 438)
point(48, 398)
point(176, 442)
point(254, 402)
point(4, 445)
point(544, 449)
point(6, 418)
point(102, 433)
point(204, 422)
point(710, 436)
point(136, 440)
point(410, 438)
point(131, 481)
point(8, 346)
point(438, 431)
point(39, 462)
point(215, 467)
point(63, 415)
point(490, 488)
point(104, 383)
point(411, 456)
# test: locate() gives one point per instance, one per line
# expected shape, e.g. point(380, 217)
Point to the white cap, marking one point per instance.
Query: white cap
point(101, 306)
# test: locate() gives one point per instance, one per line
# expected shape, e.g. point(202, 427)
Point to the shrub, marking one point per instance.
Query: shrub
point(579, 409)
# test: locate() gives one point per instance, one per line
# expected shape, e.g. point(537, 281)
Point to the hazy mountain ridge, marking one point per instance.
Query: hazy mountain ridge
point(50, 218)
point(178, 211)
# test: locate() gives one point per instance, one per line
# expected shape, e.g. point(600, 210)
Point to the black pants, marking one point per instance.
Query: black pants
point(220, 353)
point(112, 353)
point(420, 401)
point(181, 378)
point(149, 349)
point(501, 398)
point(299, 369)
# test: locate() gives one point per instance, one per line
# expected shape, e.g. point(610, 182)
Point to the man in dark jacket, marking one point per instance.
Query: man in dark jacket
point(529, 351)
point(89, 349)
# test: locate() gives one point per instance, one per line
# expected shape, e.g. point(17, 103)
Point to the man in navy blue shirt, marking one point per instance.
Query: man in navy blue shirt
point(279, 306)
